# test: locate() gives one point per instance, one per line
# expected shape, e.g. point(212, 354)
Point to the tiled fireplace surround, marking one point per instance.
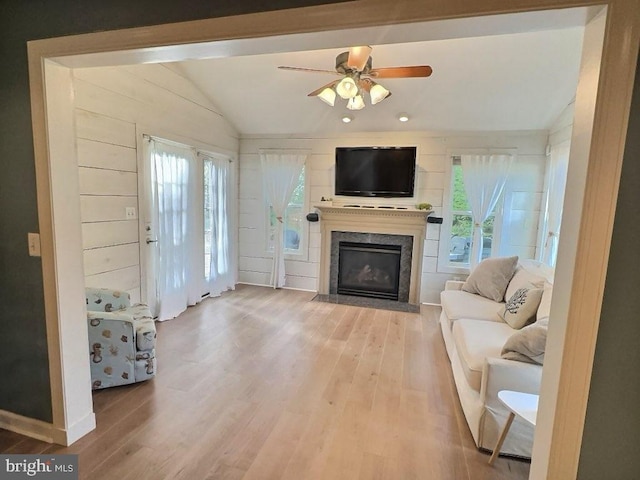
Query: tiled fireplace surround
point(405, 227)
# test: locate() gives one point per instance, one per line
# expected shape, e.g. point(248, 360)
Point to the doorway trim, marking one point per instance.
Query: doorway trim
point(566, 405)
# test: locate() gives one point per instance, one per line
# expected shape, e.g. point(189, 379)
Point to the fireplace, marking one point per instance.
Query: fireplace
point(369, 270)
point(372, 265)
point(386, 226)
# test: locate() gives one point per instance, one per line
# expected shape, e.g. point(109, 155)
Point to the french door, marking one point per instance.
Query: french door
point(185, 253)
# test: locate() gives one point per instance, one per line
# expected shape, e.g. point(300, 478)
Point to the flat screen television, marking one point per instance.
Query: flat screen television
point(375, 171)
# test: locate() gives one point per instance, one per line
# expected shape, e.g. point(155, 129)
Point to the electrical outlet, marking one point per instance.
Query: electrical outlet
point(33, 240)
point(130, 213)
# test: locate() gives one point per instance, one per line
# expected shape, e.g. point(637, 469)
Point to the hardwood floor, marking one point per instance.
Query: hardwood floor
point(267, 384)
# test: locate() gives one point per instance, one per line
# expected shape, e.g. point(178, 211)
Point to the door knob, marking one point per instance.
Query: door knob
point(151, 241)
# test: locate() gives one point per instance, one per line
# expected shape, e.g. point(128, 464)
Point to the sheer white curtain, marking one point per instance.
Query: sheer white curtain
point(219, 275)
point(484, 179)
point(558, 166)
point(280, 172)
point(174, 209)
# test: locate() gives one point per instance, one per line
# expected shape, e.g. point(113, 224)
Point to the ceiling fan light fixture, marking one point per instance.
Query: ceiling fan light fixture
point(328, 96)
point(347, 88)
point(356, 103)
point(378, 93)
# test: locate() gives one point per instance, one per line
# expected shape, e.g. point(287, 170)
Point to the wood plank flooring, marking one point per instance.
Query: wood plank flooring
point(266, 384)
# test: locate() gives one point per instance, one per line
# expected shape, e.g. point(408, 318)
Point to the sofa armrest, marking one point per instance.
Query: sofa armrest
point(500, 374)
point(453, 285)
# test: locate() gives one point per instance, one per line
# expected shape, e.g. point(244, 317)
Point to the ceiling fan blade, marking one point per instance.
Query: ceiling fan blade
point(401, 72)
point(312, 70)
point(319, 90)
point(358, 57)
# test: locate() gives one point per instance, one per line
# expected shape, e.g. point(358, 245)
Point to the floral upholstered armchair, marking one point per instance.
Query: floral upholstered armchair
point(122, 339)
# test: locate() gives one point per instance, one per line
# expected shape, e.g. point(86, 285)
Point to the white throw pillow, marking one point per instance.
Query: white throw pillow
point(527, 345)
point(521, 308)
point(491, 277)
point(523, 278)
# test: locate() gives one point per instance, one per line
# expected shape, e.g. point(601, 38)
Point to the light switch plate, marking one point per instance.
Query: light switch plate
point(34, 244)
point(130, 213)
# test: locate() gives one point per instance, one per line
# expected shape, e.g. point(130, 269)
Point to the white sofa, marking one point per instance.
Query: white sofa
point(474, 335)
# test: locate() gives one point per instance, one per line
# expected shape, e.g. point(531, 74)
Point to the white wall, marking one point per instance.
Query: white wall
point(111, 103)
point(522, 193)
point(561, 129)
point(559, 133)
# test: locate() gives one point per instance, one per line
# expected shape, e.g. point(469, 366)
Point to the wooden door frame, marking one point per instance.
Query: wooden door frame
point(567, 405)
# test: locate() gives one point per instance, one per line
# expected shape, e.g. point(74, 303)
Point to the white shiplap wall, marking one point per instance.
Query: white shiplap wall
point(112, 104)
point(522, 194)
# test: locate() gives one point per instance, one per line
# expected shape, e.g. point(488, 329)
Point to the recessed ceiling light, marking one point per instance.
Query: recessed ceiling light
point(347, 119)
point(403, 117)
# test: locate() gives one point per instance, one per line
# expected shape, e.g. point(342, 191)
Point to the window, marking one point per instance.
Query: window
point(294, 220)
point(217, 240)
point(458, 228)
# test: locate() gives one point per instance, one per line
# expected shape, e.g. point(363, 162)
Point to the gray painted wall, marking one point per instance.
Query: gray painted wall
point(24, 385)
point(611, 439)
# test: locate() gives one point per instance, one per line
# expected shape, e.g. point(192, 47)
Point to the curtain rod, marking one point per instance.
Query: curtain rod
point(199, 152)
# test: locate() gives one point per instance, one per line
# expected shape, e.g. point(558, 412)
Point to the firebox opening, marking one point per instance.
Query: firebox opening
point(369, 270)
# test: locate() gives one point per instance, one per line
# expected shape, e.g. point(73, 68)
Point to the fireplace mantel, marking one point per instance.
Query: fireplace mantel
point(391, 221)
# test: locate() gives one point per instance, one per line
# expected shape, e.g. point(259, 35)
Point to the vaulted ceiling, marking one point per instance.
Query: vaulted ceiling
point(495, 73)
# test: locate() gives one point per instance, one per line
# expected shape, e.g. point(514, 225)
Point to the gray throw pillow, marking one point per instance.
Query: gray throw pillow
point(521, 308)
point(527, 345)
point(491, 277)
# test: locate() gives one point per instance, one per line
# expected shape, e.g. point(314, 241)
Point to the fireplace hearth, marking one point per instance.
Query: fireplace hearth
point(369, 270)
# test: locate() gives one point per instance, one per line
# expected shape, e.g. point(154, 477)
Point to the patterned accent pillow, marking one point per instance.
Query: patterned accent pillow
point(520, 310)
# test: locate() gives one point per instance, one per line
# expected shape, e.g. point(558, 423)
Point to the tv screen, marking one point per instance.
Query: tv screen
point(375, 171)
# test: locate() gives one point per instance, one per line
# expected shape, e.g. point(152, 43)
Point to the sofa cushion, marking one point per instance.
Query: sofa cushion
point(491, 277)
point(476, 340)
point(521, 308)
point(527, 345)
point(457, 304)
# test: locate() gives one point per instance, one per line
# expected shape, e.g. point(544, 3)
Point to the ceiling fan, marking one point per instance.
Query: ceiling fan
point(355, 68)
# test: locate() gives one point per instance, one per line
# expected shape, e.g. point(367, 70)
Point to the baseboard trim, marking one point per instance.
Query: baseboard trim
point(271, 286)
point(45, 431)
point(76, 431)
point(30, 427)
point(431, 304)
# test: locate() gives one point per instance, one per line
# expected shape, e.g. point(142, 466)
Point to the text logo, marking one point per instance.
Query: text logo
point(52, 467)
